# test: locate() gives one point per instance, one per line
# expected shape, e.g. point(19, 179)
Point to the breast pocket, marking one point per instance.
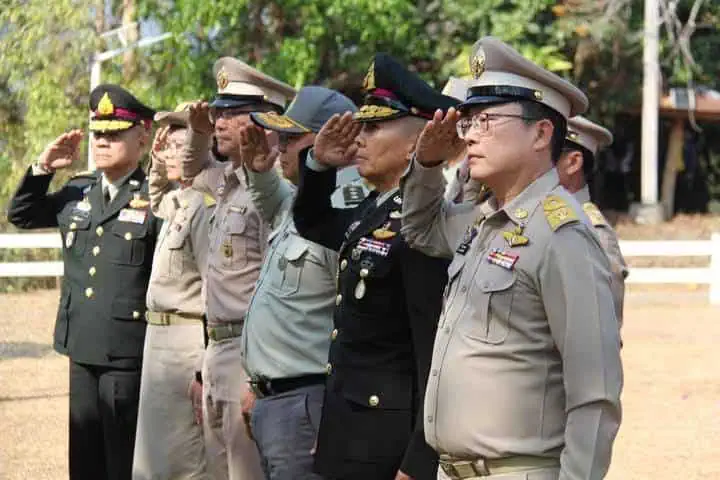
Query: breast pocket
point(175, 244)
point(75, 232)
point(291, 261)
point(493, 313)
point(127, 244)
point(234, 245)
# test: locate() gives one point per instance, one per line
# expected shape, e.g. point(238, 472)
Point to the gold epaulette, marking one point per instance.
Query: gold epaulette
point(595, 215)
point(558, 212)
point(209, 200)
point(86, 173)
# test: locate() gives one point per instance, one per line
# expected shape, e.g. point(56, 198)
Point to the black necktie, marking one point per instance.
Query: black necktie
point(106, 196)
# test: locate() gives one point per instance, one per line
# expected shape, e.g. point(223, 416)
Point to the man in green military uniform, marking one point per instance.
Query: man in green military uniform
point(108, 234)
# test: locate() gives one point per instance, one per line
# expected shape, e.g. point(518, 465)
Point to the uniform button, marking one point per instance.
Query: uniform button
point(99, 231)
point(435, 373)
point(92, 271)
point(373, 401)
point(464, 289)
point(430, 419)
point(136, 315)
point(73, 226)
point(447, 329)
point(338, 299)
point(96, 250)
point(89, 292)
point(328, 368)
point(334, 334)
point(343, 264)
point(128, 236)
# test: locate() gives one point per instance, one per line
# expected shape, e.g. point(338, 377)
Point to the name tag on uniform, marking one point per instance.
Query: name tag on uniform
point(470, 234)
point(132, 215)
point(373, 246)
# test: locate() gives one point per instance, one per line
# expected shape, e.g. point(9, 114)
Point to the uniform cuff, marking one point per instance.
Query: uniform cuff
point(38, 169)
point(314, 165)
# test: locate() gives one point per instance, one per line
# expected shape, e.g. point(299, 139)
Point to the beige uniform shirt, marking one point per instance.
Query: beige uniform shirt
point(609, 240)
point(176, 281)
point(527, 354)
point(237, 232)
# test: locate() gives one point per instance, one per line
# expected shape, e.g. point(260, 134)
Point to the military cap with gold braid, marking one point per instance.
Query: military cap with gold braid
point(587, 134)
point(239, 85)
point(456, 88)
point(177, 118)
point(114, 109)
point(503, 75)
point(394, 92)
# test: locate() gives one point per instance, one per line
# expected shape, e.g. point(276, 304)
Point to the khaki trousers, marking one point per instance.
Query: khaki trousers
point(231, 453)
point(169, 444)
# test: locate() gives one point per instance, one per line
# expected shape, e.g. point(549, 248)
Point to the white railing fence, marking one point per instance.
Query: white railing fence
point(635, 248)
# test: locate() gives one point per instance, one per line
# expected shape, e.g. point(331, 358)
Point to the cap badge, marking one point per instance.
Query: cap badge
point(222, 79)
point(572, 136)
point(538, 95)
point(369, 82)
point(477, 64)
point(105, 105)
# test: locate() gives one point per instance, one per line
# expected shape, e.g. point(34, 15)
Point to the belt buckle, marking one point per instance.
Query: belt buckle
point(211, 334)
point(462, 469)
point(165, 319)
point(261, 386)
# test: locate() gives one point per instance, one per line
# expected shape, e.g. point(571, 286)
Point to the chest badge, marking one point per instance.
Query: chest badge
point(515, 238)
point(470, 234)
point(138, 202)
point(503, 259)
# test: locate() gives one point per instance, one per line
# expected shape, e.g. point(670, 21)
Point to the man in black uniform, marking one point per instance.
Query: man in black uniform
point(388, 295)
point(108, 234)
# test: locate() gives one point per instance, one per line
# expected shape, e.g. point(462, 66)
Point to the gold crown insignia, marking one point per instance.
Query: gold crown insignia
point(222, 79)
point(105, 105)
point(477, 64)
point(369, 82)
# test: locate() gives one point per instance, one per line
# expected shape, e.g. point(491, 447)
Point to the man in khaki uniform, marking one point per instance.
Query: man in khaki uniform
point(169, 441)
point(576, 165)
point(237, 239)
point(526, 374)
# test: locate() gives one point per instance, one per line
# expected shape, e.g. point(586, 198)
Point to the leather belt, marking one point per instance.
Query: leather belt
point(220, 332)
point(165, 319)
point(265, 387)
point(458, 469)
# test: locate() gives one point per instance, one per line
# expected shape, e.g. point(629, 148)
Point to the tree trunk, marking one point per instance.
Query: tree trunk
point(673, 164)
point(131, 34)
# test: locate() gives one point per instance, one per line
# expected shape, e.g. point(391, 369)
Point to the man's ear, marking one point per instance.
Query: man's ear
point(574, 162)
point(544, 134)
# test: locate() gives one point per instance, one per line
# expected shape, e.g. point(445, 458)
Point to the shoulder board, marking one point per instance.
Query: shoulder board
point(353, 194)
point(558, 212)
point(595, 215)
point(209, 200)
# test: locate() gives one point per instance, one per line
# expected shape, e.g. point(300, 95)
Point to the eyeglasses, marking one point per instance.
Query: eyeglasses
point(481, 122)
point(228, 113)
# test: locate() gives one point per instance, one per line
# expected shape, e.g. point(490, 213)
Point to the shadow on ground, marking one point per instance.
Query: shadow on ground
point(10, 350)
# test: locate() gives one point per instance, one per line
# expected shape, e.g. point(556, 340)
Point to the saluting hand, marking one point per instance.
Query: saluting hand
point(439, 140)
point(255, 150)
point(62, 152)
point(335, 143)
point(159, 145)
point(199, 117)
point(402, 476)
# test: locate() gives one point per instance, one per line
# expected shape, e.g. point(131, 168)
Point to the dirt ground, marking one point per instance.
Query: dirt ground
point(671, 425)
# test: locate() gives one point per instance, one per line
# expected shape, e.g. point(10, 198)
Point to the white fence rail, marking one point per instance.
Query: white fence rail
point(635, 248)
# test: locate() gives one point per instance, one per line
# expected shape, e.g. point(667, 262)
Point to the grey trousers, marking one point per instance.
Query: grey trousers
point(285, 427)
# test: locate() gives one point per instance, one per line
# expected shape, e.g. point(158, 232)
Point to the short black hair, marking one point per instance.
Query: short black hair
point(588, 158)
point(538, 111)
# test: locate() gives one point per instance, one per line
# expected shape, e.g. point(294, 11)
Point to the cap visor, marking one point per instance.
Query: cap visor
point(490, 100)
point(278, 123)
point(109, 125)
point(382, 114)
point(230, 103)
point(179, 119)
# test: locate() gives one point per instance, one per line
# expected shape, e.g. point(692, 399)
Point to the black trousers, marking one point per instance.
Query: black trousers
point(103, 416)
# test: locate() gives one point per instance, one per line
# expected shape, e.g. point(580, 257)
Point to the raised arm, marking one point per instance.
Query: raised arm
point(161, 204)
point(585, 331)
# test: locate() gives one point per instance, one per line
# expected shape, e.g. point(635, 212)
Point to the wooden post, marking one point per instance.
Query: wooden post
point(673, 164)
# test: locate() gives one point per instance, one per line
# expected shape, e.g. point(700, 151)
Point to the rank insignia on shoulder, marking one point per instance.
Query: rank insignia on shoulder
point(209, 200)
point(397, 199)
point(134, 182)
point(353, 194)
point(86, 173)
point(138, 202)
point(558, 212)
point(594, 214)
point(383, 234)
point(502, 259)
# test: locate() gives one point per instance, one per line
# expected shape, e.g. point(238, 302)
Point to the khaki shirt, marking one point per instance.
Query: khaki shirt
point(527, 355)
point(290, 318)
point(609, 240)
point(237, 231)
point(176, 281)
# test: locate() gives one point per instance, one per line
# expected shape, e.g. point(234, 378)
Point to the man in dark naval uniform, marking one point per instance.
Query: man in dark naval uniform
point(388, 295)
point(108, 234)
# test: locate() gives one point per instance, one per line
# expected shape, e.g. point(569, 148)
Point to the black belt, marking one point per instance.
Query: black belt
point(265, 387)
